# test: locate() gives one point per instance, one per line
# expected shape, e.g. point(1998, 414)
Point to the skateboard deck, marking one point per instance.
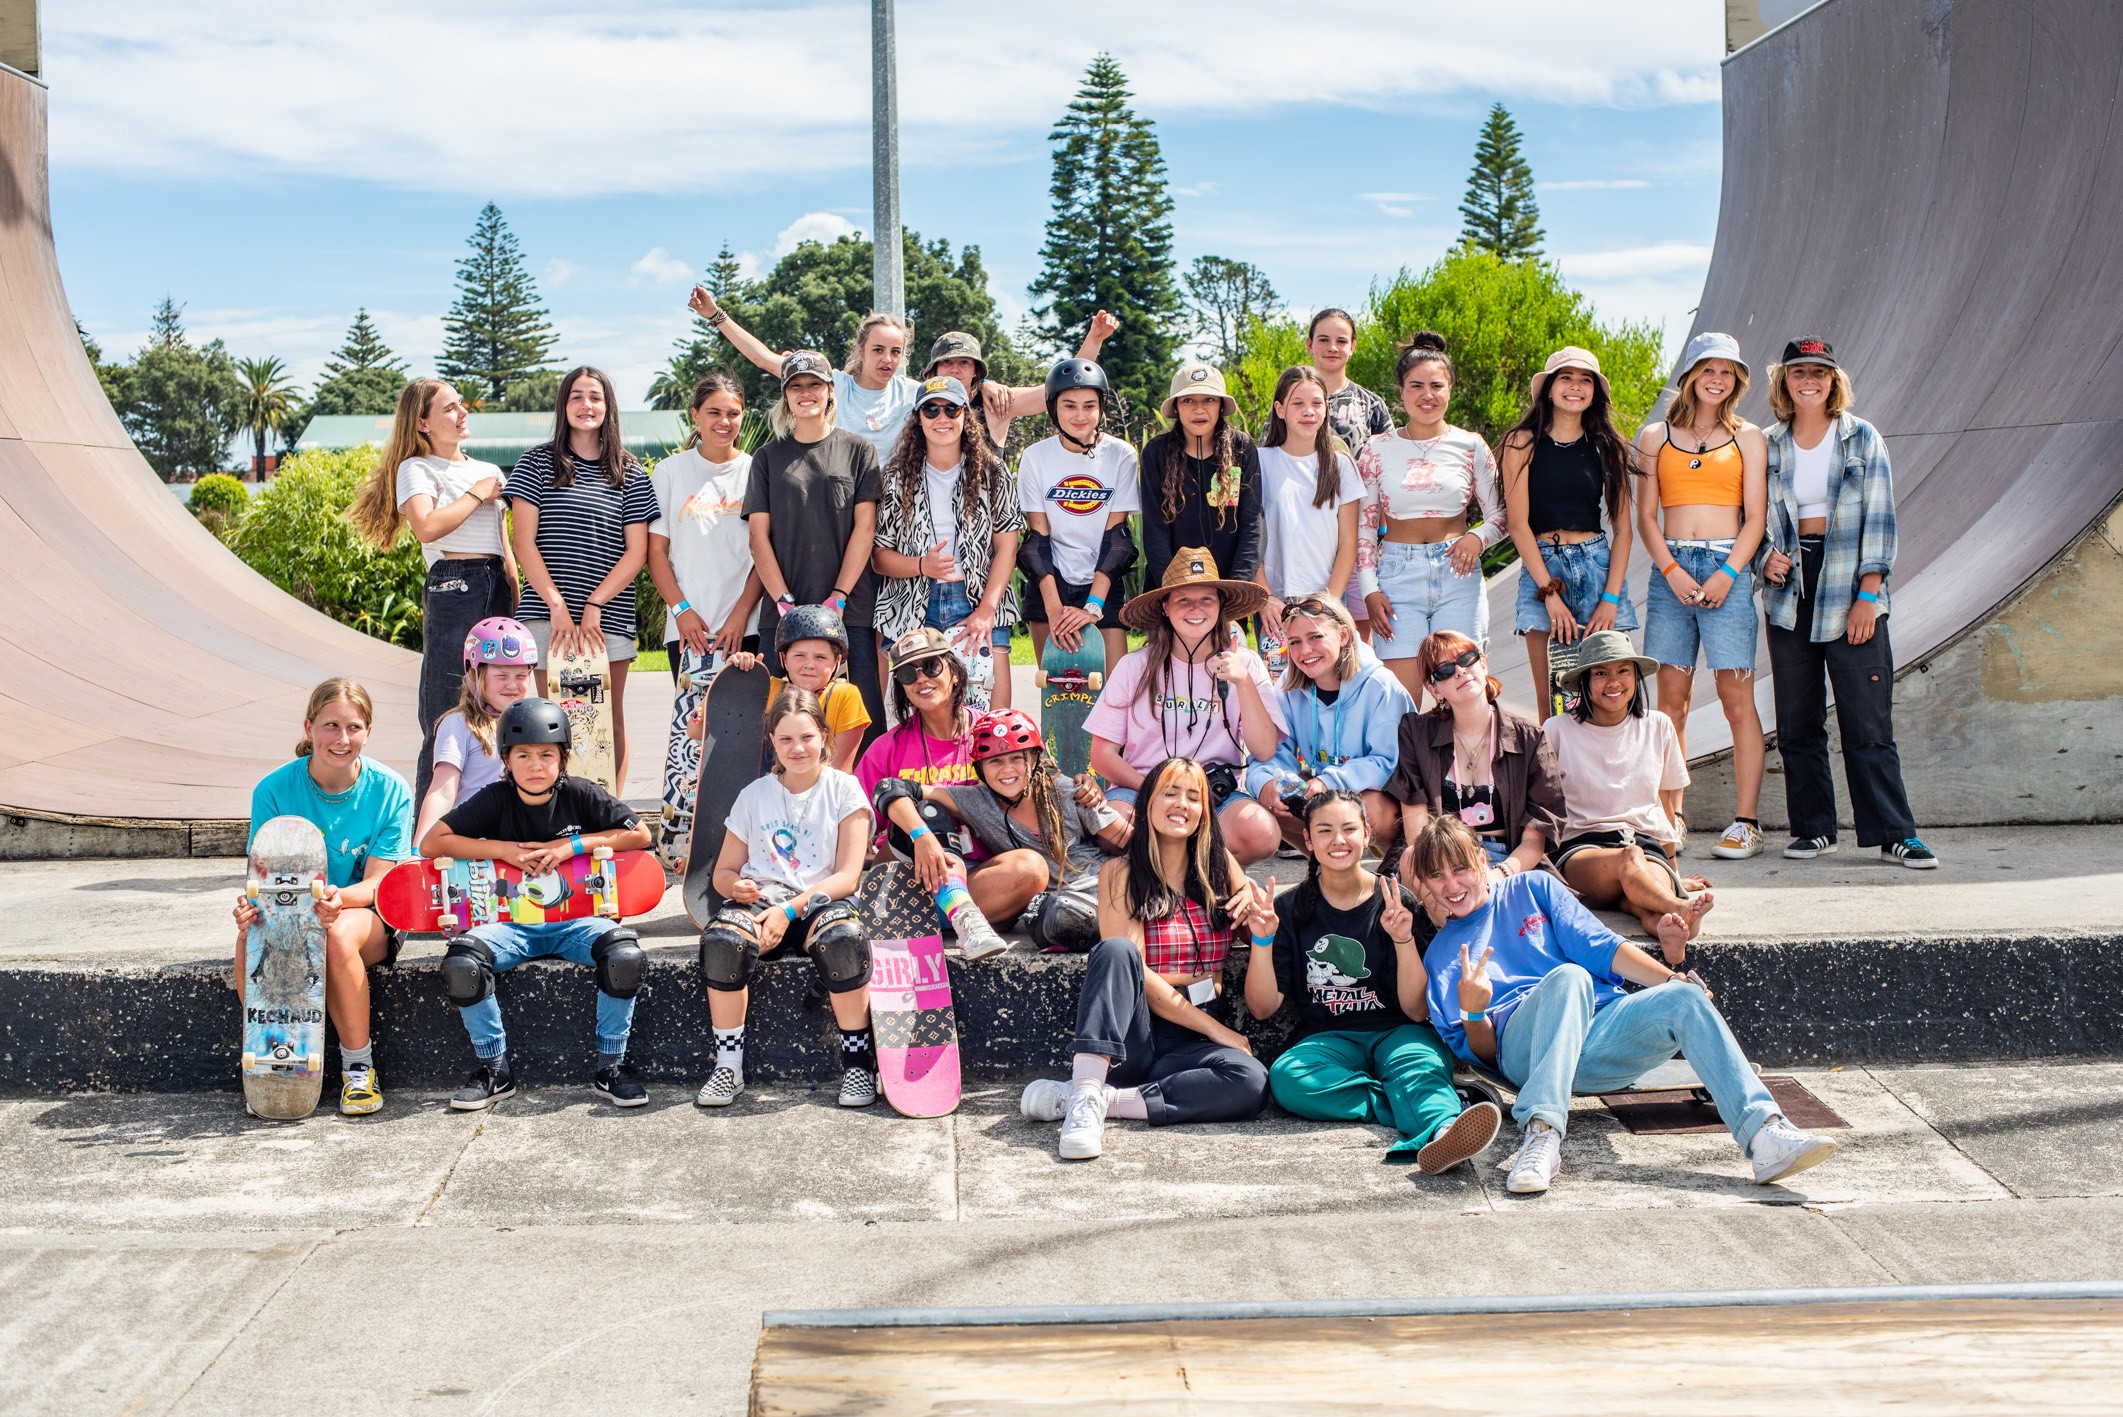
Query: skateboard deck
point(582, 685)
point(449, 895)
point(681, 758)
point(283, 993)
point(1562, 659)
point(981, 668)
point(910, 993)
point(1275, 652)
point(729, 759)
point(1069, 681)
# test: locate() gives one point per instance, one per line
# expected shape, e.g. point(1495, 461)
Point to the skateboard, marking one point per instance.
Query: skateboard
point(1275, 652)
point(981, 668)
point(729, 759)
point(1562, 659)
point(910, 993)
point(582, 685)
point(681, 758)
point(450, 896)
point(1673, 1075)
point(1069, 681)
point(283, 994)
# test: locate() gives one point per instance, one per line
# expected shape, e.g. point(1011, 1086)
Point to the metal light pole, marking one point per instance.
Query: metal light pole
point(888, 273)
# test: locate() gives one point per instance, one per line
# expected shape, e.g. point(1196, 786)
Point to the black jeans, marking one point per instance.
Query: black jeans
point(1182, 1075)
point(459, 593)
point(1863, 676)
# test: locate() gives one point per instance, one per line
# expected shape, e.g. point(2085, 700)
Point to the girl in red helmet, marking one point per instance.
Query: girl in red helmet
point(500, 657)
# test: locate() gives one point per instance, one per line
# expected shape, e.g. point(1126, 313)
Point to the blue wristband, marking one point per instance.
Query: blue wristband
point(1466, 1017)
point(1731, 570)
point(1610, 597)
point(1264, 941)
point(1870, 597)
point(917, 834)
point(681, 607)
point(1095, 604)
point(575, 843)
point(790, 911)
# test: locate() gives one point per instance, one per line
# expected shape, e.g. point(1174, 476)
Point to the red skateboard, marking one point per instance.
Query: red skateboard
point(450, 896)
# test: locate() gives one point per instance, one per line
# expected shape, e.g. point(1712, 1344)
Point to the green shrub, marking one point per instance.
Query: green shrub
point(295, 534)
point(222, 496)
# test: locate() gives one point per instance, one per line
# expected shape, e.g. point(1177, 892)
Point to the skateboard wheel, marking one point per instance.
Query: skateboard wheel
point(315, 1063)
point(316, 890)
point(1097, 680)
point(601, 853)
point(443, 863)
point(250, 1061)
point(1039, 677)
point(250, 888)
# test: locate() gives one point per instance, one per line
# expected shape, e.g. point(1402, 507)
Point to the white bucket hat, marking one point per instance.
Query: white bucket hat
point(1709, 345)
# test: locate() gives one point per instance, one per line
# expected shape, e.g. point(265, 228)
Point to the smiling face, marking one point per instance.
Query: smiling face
point(534, 767)
point(718, 420)
point(1715, 379)
point(1426, 392)
point(1197, 413)
point(1304, 409)
point(446, 420)
point(799, 743)
point(1176, 809)
point(1332, 340)
point(586, 404)
point(1571, 390)
point(809, 664)
point(806, 396)
point(1809, 386)
point(1611, 687)
point(1008, 774)
point(1336, 836)
point(1193, 612)
point(337, 735)
point(1459, 890)
point(931, 693)
point(1315, 644)
point(1078, 412)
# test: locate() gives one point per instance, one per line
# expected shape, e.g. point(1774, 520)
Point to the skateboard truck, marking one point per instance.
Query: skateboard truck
point(604, 884)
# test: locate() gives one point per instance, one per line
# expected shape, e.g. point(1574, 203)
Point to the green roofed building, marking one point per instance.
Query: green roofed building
point(498, 438)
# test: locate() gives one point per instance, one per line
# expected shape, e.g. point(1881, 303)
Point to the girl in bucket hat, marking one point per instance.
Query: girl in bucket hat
point(957, 355)
point(1702, 514)
point(1201, 478)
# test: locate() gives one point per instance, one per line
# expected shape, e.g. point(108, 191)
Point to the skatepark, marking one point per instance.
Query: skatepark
point(1953, 219)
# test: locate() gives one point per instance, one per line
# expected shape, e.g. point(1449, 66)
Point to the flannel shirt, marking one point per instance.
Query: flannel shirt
point(1861, 528)
point(904, 525)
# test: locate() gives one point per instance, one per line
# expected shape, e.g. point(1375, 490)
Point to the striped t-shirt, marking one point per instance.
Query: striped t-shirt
point(582, 532)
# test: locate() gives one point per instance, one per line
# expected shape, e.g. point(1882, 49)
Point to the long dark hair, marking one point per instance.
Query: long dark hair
point(1327, 488)
point(1205, 881)
point(611, 452)
point(716, 381)
point(1172, 488)
point(904, 706)
point(1582, 709)
point(1307, 891)
point(980, 469)
point(1617, 463)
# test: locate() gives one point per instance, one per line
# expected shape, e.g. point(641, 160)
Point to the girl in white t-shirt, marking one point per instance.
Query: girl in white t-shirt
point(452, 503)
point(499, 657)
point(1310, 496)
point(792, 854)
point(698, 553)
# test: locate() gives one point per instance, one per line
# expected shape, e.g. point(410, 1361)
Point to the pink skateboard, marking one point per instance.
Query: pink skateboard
point(910, 994)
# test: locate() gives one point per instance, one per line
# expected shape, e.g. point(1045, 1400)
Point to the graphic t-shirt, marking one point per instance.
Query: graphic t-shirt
point(1191, 714)
point(1337, 967)
point(907, 751)
point(1219, 507)
point(1301, 538)
point(809, 492)
point(458, 747)
point(582, 532)
point(791, 838)
point(1425, 477)
point(876, 415)
point(700, 510)
point(1531, 924)
point(478, 534)
point(1611, 777)
point(578, 806)
point(1076, 492)
point(1357, 415)
point(374, 817)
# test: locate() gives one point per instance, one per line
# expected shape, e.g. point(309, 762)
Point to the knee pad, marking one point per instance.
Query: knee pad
point(840, 948)
point(621, 963)
point(1066, 921)
point(933, 816)
point(729, 951)
point(467, 972)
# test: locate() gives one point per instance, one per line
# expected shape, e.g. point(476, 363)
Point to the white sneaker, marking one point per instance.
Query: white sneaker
point(1740, 841)
point(1084, 1126)
point(724, 1086)
point(1780, 1150)
point(976, 937)
point(1045, 1099)
point(1540, 1158)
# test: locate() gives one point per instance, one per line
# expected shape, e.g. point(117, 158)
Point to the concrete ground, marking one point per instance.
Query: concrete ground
point(161, 1254)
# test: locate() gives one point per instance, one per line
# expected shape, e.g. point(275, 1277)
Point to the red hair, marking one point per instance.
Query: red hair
point(1442, 648)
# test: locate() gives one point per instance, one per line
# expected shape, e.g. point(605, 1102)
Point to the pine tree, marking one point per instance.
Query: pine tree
point(1228, 296)
point(1109, 240)
point(726, 278)
point(364, 349)
point(1501, 215)
point(497, 331)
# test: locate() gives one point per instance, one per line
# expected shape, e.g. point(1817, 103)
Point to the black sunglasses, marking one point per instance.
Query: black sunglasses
point(919, 669)
point(1466, 660)
point(941, 410)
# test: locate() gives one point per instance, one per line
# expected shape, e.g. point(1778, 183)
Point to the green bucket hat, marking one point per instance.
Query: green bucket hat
point(956, 344)
point(1607, 647)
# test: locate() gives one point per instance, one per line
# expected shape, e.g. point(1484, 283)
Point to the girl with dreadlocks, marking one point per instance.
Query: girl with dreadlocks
point(1201, 479)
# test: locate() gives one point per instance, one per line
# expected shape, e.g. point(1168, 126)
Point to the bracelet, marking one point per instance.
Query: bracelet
point(575, 843)
point(1095, 604)
point(1264, 941)
point(1400, 944)
point(1611, 598)
point(1731, 570)
point(1667, 569)
point(1479, 1016)
point(1870, 597)
point(681, 607)
point(917, 834)
point(790, 911)
point(719, 318)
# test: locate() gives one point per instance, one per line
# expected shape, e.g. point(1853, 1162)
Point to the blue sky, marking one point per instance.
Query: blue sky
point(273, 167)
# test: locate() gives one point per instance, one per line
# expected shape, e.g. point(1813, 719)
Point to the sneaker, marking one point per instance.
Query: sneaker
point(1680, 834)
point(1045, 1099)
point(620, 1085)
point(724, 1086)
point(483, 1089)
point(1540, 1157)
point(1740, 841)
point(976, 937)
point(1805, 848)
point(1467, 1137)
point(1084, 1126)
point(1286, 852)
point(1780, 1150)
point(1912, 853)
point(360, 1091)
point(858, 1086)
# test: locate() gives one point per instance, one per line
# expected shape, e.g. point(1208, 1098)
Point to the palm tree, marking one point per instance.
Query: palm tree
point(267, 401)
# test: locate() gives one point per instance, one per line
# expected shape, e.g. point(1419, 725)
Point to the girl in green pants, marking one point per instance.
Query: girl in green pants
point(1340, 947)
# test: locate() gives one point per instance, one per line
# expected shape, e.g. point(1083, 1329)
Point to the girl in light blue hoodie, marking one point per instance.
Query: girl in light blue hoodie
point(1344, 709)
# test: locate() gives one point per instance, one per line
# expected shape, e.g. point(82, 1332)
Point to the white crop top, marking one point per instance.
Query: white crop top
point(1424, 477)
point(1809, 475)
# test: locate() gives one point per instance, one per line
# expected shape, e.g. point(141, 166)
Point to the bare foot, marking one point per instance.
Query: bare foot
point(1698, 906)
point(1673, 933)
point(1692, 884)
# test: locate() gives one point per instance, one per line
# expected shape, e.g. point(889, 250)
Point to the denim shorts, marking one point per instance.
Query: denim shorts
point(1427, 595)
point(950, 607)
point(1673, 631)
point(1582, 568)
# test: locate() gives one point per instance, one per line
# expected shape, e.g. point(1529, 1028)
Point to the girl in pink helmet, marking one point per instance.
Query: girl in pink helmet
point(499, 657)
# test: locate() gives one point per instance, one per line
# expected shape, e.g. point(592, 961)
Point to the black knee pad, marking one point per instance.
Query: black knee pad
point(1066, 921)
point(729, 951)
point(934, 817)
point(467, 972)
point(621, 963)
point(839, 947)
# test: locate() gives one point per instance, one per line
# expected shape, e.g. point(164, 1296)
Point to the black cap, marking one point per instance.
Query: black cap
point(1810, 351)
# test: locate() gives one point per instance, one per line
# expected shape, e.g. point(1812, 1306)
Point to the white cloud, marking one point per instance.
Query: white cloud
point(1595, 184)
point(1664, 258)
point(822, 227)
point(558, 272)
point(1196, 189)
point(1393, 204)
point(660, 266)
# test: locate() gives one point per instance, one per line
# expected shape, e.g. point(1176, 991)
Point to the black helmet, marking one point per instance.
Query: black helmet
point(531, 721)
point(811, 622)
point(1077, 374)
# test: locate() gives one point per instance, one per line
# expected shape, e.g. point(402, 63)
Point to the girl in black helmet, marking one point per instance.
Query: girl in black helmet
point(1077, 490)
point(813, 646)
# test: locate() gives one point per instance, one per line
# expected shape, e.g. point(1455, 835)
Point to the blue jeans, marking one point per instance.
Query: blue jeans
point(1582, 568)
point(1554, 1044)
point(1673, 632)
point(570, 940)
point(1427, 595)
point(950, 607)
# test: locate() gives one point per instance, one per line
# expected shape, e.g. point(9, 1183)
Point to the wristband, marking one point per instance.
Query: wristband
point(1870, 597)
point(1479, 1016)
point(1095, 604)
point(917, 834)
point(790, 911)
point(681, 607)
point(1611, 598)
point(1731, 570)
point(575, 843)
point(1264, 941)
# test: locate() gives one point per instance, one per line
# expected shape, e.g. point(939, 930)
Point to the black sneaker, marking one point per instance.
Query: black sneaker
point(620, 1085)
point(1912, 853)
point(1805, 848)
point(483, 1089)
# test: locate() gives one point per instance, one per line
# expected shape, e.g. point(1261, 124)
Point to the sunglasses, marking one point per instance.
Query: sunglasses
point(941, 410)
point(1467, 660)
point(919, 669)
point(1310, 605)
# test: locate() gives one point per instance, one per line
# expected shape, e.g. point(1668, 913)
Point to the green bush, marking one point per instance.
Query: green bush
point(295, 534)
point(222, 496)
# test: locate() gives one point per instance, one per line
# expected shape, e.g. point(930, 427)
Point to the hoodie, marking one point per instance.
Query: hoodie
point(1352, 743)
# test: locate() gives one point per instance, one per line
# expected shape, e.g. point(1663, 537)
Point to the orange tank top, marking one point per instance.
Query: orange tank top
point(1707, 479)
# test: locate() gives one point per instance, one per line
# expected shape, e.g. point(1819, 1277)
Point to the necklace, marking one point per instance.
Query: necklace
point(1560, 443)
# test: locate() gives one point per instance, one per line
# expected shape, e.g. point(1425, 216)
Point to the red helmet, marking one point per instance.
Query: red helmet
point(1004, 731)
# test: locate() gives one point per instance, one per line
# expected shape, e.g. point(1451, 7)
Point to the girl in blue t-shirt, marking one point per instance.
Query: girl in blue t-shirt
point(365, 812)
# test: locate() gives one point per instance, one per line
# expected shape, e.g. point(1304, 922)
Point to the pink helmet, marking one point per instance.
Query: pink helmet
point(500, 640)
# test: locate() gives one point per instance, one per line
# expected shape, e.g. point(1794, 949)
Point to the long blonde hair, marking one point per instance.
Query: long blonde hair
point(330, 692)
point(472, 703)
point(375, 515)
point(1780, 404)
point(1682, 411)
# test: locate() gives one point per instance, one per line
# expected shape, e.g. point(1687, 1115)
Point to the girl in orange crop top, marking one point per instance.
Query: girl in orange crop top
point(1710, 477)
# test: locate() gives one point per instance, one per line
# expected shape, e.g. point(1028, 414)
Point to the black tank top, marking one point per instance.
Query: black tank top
point(1564, 484)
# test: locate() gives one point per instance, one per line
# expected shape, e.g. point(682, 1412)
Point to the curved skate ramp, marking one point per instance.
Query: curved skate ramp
point(150, 675)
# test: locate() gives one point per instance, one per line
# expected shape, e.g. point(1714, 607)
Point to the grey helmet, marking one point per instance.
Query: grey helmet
point(531, 721)
point(810, 622)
